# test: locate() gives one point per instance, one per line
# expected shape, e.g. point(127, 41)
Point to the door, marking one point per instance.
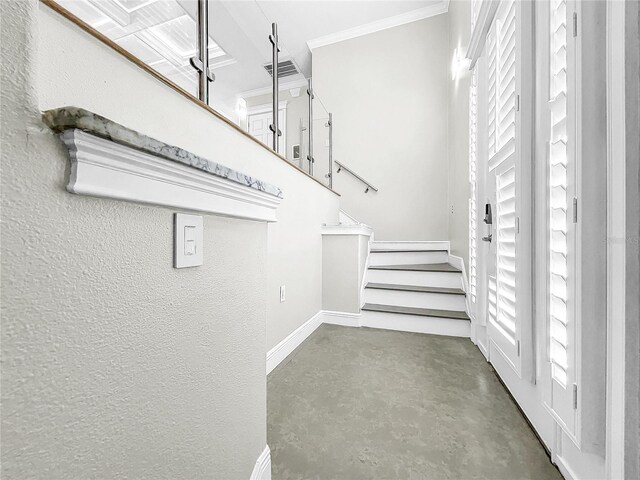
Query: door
point(259, 127)
point(258, 121)
point(508, 185)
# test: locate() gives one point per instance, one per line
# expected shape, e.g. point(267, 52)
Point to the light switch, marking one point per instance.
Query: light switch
point(188, 240)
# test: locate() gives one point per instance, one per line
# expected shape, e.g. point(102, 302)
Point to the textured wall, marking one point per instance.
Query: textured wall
point(458, 180)
point(388, 94)
point(294, 246)
point(115, 364)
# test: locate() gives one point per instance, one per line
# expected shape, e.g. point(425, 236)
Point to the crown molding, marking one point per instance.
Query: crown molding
point(378, 25)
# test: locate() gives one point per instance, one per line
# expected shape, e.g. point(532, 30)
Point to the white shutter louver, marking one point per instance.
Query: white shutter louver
point(491, 114)
point(473, 181)
point(506, 254)
point(558, 192)
point(560, 241)
point(506, 77)
point(492, 303)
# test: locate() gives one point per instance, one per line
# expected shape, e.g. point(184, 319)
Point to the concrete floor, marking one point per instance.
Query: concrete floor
point(359, 403)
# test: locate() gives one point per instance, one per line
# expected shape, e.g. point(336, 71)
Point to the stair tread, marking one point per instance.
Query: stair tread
point(423, 267)
point(415, 288)
point(420, 250)
point(423, 312)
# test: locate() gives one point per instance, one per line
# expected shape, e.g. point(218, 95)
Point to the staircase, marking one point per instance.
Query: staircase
point(411, 286)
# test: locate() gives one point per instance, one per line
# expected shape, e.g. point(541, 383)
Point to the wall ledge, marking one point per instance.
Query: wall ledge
point(101, 167)
point(341, 229)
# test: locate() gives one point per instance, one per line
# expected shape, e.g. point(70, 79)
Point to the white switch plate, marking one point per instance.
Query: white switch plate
point(187, 240)
point(282, 294)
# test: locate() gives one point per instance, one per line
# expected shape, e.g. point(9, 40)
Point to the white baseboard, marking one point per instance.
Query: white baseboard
point(262, 468)
point(566, 472)
point(345, 319)
point(283, 349)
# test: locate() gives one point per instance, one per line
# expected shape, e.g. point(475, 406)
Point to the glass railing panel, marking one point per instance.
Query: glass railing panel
point(294, 121)
point(321, 142)
point(242, 90)
point(160, 33)
point(294, 106)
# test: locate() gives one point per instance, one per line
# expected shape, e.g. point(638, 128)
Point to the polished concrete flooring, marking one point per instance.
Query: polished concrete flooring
point(359, 403)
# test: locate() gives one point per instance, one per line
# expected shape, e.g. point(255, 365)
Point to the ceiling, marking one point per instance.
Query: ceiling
point(162, 33)
point(302, 21)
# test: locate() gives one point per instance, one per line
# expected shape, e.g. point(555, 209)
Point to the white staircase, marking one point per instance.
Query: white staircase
point(411, 286)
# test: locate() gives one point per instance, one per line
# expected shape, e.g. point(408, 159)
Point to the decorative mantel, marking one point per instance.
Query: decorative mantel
point(112, 161)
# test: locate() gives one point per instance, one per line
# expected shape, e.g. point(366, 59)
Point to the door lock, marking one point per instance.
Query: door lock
point(488, 219)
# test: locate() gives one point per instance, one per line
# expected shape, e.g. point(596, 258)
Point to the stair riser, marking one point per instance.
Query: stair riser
point(423, 279)
point(407, 258)
point(411, 245)
point(438, 301)
point(414, 323)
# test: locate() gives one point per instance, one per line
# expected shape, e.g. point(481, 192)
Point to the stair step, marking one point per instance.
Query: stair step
point(425, 267)
point(422, 312)
point(386, 250)
point(415, 288)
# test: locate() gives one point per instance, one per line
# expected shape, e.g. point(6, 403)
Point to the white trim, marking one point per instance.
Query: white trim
point(480, 29)
point(458, 262)
point(378, 25)
point(346, 319)
point(616, 231)
point(367, 261)
point(401, 245)
point(481, 346)
point(256, 92)
point(345, 219)
point(266, 108)
point(283, 349)
point(103, 168)
point(564, 468)
point(361, 229)
point(262, 468)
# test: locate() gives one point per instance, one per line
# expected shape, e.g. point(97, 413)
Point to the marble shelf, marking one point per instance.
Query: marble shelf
point(112, 161)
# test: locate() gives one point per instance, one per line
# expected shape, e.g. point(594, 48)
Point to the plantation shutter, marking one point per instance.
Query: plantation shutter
point(473, 183)
point(491, 123)
point(506, 254)
point(503, 70)
point(561, 241)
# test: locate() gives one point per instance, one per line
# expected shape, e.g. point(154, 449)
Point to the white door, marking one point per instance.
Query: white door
point(507, 176)
point(258, 126)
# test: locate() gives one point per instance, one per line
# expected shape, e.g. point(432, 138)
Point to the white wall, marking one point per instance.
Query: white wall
point(344, 258)
point(458, 135)
point(388, 94)
point(294, 242)
point(114, 363)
